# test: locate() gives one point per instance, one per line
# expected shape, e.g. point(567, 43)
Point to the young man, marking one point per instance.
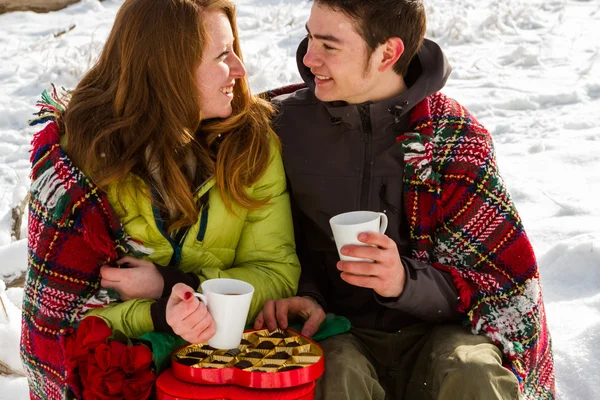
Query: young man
point(372, 132)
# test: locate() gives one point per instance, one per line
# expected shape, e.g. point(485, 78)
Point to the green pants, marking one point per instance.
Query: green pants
point(421, 362)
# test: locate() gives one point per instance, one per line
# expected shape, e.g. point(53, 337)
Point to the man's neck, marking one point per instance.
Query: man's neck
point(391, 86)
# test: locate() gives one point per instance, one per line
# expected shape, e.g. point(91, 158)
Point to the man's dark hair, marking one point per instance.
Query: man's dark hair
point(379, 20)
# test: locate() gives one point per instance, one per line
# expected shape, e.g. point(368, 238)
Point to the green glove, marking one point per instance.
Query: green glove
point(162, 345)
point(332, 326)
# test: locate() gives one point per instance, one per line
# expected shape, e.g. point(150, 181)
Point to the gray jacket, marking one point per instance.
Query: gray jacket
point(340, 157)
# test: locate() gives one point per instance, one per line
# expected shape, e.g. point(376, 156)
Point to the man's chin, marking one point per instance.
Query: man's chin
point(324, 96)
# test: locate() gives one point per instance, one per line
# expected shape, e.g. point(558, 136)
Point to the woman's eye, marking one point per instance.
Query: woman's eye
point(223, 54)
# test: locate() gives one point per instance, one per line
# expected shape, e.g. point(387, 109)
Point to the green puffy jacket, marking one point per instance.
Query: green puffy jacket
point(254, 246)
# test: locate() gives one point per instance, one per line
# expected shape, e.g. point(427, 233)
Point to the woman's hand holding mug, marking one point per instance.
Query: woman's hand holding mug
point(188, 316)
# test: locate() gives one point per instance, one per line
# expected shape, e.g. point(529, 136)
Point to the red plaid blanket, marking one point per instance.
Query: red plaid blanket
point(463, 221)
point(73, 231)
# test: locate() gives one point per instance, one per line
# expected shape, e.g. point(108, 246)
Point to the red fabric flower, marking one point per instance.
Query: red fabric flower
point(109, 356)
point(91, 332)
point(104, 382)
point(72, 380)
point(136, 358)
point(89, 394)
point(139, 385)
point(99, 367)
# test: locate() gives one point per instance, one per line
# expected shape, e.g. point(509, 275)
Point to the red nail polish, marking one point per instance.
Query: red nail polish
point(187, 295)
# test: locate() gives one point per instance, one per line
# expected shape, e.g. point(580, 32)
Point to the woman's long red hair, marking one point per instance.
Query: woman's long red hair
point(137, 111)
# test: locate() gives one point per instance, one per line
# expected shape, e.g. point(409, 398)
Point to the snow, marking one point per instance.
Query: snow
point(13, 256)
point(9, 313)
point(528, 70)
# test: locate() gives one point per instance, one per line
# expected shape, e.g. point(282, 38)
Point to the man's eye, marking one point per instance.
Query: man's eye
point(327, 47)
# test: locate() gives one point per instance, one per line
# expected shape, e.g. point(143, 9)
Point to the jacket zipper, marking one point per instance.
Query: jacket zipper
point(176, 257)
point(365, 119)
point(379, 319)
point(177, 240)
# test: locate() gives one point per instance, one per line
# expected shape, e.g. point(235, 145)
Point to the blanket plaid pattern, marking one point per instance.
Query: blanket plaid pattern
point(73, 231)
point(463, 221)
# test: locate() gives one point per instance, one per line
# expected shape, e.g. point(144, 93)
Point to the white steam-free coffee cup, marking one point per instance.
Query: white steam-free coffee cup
point(228, 302)
point(347, 226)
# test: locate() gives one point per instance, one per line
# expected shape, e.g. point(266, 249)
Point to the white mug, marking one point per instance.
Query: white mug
point(228, 302)
point(347, 226)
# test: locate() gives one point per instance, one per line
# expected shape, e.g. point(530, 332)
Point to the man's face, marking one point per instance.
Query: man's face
point(338, 57)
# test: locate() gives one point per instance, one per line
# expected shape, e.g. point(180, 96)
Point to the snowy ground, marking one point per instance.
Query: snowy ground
point(528, 70)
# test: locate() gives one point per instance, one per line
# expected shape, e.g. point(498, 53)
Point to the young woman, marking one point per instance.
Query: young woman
point(161, 154)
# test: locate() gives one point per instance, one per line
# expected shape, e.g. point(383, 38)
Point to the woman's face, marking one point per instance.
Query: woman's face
point(219, 68)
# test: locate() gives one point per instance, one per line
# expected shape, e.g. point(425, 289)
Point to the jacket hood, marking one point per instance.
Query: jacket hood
point(427, 73)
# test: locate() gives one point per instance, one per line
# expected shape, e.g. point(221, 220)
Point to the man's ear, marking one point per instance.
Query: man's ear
point(392, 50)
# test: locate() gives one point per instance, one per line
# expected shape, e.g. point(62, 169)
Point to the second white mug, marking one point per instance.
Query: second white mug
point(347, 226)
